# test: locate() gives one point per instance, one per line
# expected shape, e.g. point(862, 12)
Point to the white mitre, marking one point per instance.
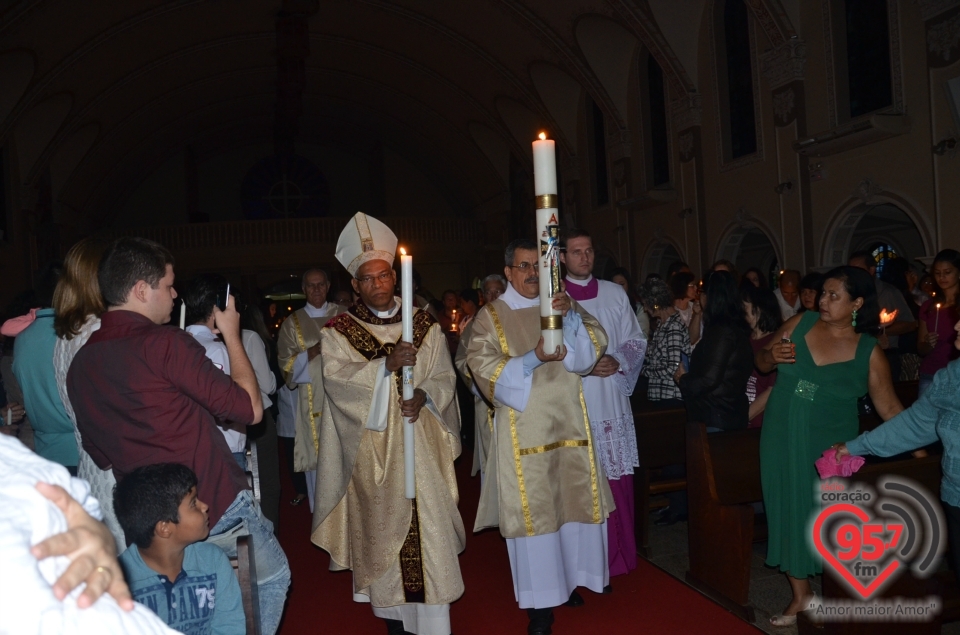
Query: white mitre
point(365, 239)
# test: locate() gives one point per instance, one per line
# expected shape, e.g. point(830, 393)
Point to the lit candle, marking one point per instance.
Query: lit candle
point(183, 315)
point(936, 322)
point(548, 236)
point(406, 308)
point(453, 320)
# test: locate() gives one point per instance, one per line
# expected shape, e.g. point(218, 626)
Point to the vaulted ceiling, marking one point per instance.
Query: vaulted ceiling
point(103, 93)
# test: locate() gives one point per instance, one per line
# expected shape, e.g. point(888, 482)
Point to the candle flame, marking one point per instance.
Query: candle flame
point(887, 318)
point(543, 136)
point(938, 306)
point(403, 252)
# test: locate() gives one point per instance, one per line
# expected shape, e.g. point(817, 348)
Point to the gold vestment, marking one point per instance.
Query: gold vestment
point(483, 410)
point(361, 515)
point(298, 333)
point(541, 471)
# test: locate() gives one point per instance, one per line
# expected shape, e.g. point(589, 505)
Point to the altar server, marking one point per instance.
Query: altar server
point(608, 388)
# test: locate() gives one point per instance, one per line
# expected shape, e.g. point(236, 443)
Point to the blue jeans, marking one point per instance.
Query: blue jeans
point(273, 571)
point(241, 459)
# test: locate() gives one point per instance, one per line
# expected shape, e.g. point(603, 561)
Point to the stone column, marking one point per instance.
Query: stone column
point(783, 68)
point(686, 115)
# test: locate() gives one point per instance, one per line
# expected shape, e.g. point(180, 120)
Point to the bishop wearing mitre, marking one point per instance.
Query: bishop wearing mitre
point(543, 484)
point(402, 552)
point(298, 354)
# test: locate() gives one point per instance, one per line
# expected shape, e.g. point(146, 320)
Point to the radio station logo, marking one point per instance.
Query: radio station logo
point(868, 538)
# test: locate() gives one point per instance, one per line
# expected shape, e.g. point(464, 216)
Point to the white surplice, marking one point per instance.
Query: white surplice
point(608, 398)
point(547, 568)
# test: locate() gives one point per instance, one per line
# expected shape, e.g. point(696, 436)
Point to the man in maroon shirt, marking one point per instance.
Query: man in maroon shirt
point(144, 393)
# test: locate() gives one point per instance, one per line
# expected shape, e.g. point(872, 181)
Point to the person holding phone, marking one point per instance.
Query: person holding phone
point(201, 295)
point(714, 386)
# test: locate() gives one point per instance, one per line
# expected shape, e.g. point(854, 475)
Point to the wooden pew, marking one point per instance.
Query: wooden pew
point(660, 442)
point(723, 477)
point(906, 393)
point(246, 569)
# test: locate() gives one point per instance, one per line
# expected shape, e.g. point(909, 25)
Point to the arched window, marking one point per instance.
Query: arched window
point(882, 254)
point(861, 33)
point(601, 185)
point(654, 105)
point(735, 81)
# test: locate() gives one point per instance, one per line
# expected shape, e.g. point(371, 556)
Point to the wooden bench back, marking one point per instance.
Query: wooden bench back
point(735, 460)
point(660, 437)
point(246, 569)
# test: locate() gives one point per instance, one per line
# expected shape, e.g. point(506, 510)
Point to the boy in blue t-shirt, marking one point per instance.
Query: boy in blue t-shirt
point(188, 583)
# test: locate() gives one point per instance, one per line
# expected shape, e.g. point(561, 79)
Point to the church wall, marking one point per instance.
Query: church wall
point(901, 170)
point(161, 199)
point(409, 192)
point(15, 270)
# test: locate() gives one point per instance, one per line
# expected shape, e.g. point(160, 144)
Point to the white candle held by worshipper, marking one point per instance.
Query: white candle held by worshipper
point(936, 322)
point(183, 315)
point(548, 236)
point(406, 308)
point(9, 420)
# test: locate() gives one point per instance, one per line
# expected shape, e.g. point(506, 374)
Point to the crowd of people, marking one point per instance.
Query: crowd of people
point(156, 421)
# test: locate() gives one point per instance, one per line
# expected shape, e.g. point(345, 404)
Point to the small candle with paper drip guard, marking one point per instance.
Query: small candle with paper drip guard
point(406, 314)
point(886, 318)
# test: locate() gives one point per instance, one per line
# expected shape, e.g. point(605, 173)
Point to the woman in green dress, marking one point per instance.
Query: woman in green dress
point(826, 361)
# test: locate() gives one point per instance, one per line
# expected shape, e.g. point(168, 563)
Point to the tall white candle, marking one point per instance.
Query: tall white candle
point(406, 308)
point(936, 323)
point(183, 315)
point(548, 237)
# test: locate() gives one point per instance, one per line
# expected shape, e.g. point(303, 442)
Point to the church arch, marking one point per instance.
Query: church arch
point(660, 253)
point(881, 218)
point(610, 50)
point(750, 244)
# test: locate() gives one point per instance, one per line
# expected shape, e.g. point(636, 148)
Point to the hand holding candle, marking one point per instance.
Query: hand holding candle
point(406, 308)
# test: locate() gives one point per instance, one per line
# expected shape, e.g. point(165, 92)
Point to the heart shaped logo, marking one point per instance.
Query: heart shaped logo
point(856, 548)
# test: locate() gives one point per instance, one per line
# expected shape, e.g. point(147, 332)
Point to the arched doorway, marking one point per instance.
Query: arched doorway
point(870, 226)
point(660, 255)
point(748, 246)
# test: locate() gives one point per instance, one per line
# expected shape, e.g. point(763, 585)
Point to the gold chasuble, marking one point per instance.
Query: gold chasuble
point(541, 471)
point(483, 411)
point(298, 333)
point(399, 550)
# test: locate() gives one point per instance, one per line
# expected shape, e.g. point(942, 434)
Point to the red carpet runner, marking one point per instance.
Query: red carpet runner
point(646, 601)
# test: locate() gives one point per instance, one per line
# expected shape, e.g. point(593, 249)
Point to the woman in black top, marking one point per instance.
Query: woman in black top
point(714, 387)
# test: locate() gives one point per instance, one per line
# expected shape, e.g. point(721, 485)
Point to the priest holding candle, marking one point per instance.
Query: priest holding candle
point(379, 447)
point(544, 486)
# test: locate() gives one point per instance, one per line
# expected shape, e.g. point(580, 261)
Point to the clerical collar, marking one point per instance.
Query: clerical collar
point(516, 301)
point(314, 312)
point(389, 313)
point(581, 290)
point(368, 315)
